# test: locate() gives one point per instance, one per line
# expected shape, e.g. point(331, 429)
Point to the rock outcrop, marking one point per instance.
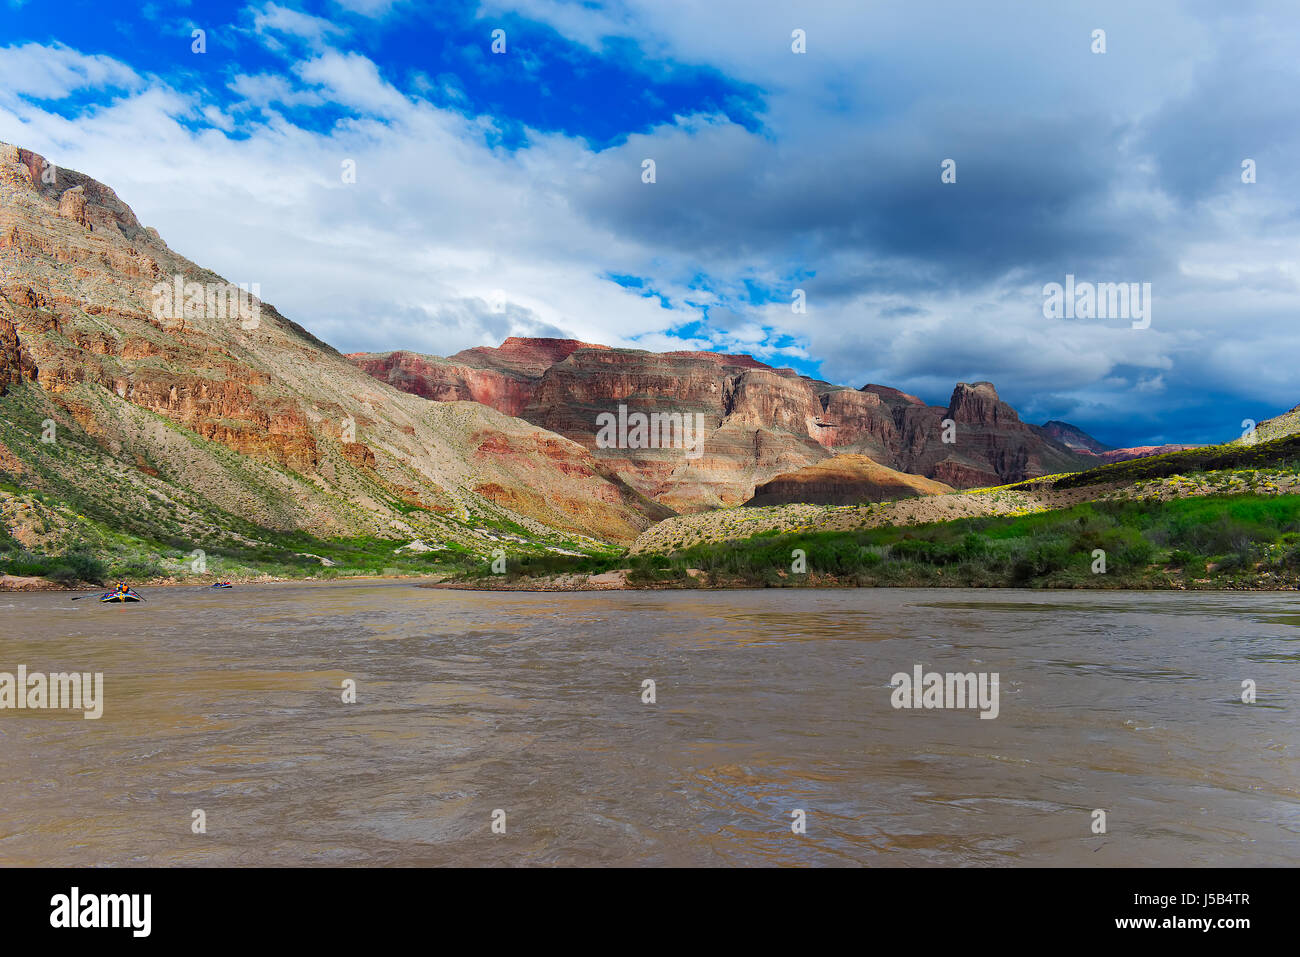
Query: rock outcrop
point(447, 380)
point(1084, 444)
point(844, 480)
point(15, 363)
point(72, 205)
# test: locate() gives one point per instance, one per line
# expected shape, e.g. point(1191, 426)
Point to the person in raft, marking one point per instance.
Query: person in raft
point(122, 589)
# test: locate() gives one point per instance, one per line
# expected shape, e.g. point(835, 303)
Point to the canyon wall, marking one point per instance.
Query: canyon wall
point(88, 322)
point(760, 421)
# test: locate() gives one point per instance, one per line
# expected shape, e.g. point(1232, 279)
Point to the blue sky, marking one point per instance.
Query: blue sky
point(502, 194)
point(438, 52)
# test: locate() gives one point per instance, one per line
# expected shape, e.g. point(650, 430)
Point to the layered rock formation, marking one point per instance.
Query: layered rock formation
point(844, 480)
point(15, 363)
point(194, 400)
point(503, 378)
point(759, 421)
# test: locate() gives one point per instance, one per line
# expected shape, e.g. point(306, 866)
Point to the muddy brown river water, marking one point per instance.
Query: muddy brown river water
point(767, 703)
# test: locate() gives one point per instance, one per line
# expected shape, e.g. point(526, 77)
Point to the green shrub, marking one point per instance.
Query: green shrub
point(85, 566)
point(138, 569)
point(68, 569)
point(63, 575)
point(1135, 554)
point(1232, 562)
point(1221, 535)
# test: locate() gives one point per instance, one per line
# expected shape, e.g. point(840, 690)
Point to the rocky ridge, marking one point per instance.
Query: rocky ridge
point(244, 414)
point(760, 421)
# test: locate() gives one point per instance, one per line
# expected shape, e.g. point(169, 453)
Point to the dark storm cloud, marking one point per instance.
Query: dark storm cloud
point(1030, 193)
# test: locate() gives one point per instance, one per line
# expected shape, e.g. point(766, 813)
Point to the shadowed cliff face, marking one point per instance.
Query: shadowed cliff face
point(760, 421)
point(151, 359)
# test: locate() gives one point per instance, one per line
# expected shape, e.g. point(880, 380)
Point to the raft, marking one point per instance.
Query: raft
point(222, 585)
point(114, 596)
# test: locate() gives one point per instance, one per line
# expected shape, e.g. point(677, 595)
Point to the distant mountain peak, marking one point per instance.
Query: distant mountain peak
point(1074, 437)
point(977, 403)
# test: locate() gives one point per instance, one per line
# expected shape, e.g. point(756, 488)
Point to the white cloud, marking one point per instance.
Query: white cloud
point(54, 71)
point(351, 79)
point(266, 89)
point(374, 9)
point(439, 224)
point(408, 256)
point(273, 18)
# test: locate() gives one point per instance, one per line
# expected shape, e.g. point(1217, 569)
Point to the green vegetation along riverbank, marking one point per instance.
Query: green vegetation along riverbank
point(1242, 541)
point(63, 548)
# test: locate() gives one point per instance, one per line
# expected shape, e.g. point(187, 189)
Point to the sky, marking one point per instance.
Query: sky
point(392, 182)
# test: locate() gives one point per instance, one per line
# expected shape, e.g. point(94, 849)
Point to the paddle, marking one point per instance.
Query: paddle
point(79, 597)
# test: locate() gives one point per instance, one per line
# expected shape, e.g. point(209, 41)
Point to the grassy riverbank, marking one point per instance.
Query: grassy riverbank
point(72, 549)
point(1226, 541)
point(1215, 517)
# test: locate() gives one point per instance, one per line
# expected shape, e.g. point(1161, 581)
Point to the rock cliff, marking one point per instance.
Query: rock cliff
point(759, 421)
point(165, 382)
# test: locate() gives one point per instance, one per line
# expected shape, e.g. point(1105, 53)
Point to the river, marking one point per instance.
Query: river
point(773, 737)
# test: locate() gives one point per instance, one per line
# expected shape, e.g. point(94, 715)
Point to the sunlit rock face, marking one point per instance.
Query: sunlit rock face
point(761, 421)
